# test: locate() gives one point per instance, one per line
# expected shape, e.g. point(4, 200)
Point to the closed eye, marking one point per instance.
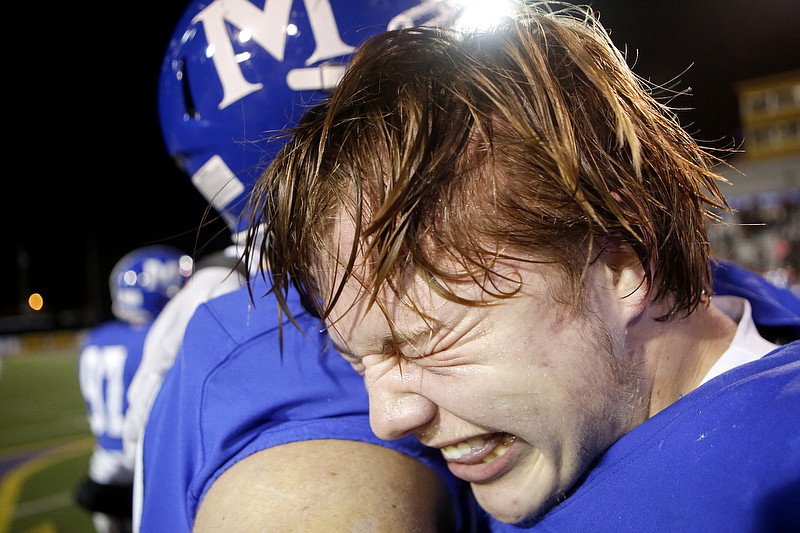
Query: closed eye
point(350, 357)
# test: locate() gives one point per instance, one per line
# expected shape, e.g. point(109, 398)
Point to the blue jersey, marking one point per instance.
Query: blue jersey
point(725, 457)
point(231, 393)
point(776, 310)
point(109, 356)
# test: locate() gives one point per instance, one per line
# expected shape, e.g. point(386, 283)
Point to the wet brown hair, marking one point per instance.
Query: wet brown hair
point(532, 140)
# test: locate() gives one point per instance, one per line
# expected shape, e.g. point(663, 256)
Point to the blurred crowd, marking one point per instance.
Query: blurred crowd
point(763, 234)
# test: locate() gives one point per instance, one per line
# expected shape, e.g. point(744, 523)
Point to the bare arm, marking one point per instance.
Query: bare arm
point(326, 485)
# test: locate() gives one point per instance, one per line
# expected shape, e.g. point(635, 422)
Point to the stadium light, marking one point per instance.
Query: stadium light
point(35, 301)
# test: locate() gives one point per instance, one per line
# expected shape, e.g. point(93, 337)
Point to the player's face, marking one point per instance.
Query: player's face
point(520, 396)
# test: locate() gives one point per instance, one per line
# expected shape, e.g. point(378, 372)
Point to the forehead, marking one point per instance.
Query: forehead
point(406, 308)
point(401, 303)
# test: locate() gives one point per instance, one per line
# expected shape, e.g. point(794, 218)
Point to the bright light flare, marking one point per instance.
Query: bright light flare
point(35, 301)
point(482, 15)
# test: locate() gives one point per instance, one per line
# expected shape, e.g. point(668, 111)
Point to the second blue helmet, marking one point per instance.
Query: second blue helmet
point(238, 72)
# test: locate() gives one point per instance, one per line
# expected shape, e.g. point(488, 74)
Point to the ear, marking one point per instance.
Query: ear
point(625, 277)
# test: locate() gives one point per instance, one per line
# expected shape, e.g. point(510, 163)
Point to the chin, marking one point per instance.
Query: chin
point(518, 506)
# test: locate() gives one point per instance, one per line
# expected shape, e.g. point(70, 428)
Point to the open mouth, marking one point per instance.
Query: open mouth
point(480, 449)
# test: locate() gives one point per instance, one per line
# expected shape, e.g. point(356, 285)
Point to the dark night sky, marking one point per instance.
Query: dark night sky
point(91, 179)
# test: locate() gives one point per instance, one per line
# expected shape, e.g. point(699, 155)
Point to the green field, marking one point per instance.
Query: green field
point(45, 442)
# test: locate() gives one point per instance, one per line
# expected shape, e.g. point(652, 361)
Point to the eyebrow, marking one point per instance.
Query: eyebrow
point(393, 344)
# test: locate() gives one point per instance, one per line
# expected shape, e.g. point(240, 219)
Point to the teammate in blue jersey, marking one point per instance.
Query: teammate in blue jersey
point(141, 283)
point(505, 234)
point(207, 421)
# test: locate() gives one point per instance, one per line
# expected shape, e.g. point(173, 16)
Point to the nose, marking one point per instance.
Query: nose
point(396, 411)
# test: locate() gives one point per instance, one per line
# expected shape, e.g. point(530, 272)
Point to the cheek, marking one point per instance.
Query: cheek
point(499, 389)
point(549, 377)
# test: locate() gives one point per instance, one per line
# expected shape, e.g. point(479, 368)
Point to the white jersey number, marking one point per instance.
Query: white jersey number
point(101, 376)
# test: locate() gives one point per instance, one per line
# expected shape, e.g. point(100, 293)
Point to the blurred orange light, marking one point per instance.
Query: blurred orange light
point(36, 301)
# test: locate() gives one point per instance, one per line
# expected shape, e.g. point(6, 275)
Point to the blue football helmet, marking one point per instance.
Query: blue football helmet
point(145, 279)
point(236, 73)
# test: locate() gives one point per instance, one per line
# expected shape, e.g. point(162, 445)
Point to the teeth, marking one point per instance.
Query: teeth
point(457, 451)
point(500, 450)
